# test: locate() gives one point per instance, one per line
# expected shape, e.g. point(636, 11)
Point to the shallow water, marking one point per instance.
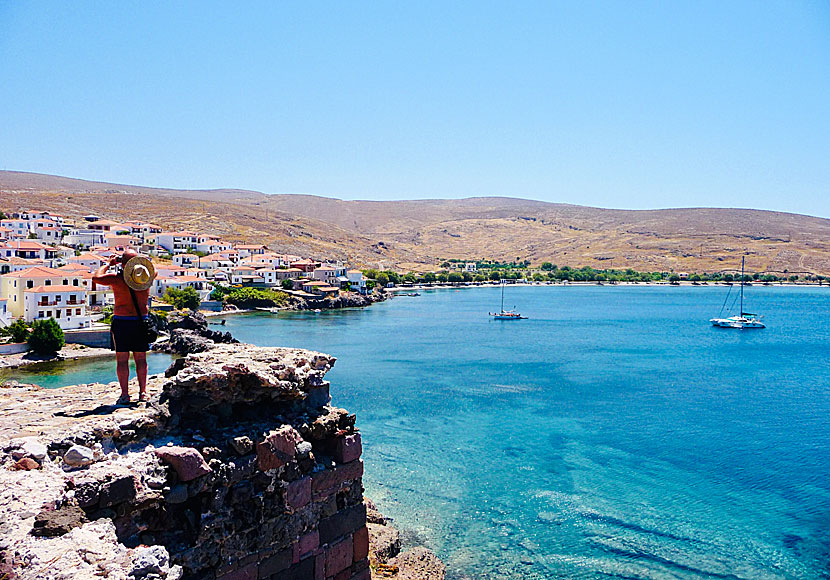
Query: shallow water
point(55, 374)
point(614, 433)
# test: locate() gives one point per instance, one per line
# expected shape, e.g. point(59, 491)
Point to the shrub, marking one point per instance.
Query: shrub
point(46, 337)
point(18, 330)
point(255, 297)
point(219, 292)
point(180, 299)
point(287, 284)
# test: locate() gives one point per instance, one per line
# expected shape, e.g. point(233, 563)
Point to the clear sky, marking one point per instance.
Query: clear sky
point(615, 104)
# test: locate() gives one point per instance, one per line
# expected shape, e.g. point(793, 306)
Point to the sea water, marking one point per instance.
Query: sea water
point(613, 434)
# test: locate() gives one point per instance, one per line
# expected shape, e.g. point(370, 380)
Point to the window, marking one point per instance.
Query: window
point(30, 284)
point(48, 282)
point(57, 313)
point(49, 313)
point(65, 282)
point(40, 314)
point(78, 311)
point(75, 282)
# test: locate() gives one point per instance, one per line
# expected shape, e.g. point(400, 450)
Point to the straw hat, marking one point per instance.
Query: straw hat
point(139, 273)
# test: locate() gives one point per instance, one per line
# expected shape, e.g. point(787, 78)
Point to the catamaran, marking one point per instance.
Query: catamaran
point(743, 319)
point(506, 314)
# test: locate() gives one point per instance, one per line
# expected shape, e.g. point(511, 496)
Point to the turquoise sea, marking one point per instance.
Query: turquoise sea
point(613, 434)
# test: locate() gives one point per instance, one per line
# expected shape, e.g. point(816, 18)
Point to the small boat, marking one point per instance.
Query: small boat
point(743, 319)
point(506, 314)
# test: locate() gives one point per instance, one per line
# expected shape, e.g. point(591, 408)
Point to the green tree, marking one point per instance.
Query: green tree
point(182, 298)
point(18, 330)
point(455, 277)
point(46, 337)
point(468, 277)
point(442, 277)
point(494, 275)
point(674, 278)
point(728, 277)
point(382, 279)
point(793, 278)
point(255, 297)
point(287, 284)
point(537, 277)
point(219, 292)
point(480, 278)
point(429, 277)
point(547, 266)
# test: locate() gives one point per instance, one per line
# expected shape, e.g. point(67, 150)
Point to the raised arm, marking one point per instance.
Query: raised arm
point(101, 277)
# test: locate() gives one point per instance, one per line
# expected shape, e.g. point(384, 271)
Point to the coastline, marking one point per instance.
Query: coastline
point(68, 352)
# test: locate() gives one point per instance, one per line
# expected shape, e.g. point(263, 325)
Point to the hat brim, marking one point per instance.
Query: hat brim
point(131, 265)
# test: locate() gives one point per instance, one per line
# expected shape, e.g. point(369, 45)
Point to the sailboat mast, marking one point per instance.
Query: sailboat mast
point(742, 284)
point(502, 295)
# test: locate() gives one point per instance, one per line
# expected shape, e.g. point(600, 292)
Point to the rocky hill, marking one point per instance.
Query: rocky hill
point(417, 234)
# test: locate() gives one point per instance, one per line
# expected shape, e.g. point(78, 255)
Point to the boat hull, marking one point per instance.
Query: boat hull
point(737, 322)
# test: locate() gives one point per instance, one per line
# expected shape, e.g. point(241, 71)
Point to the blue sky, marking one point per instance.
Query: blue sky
point(611, 104)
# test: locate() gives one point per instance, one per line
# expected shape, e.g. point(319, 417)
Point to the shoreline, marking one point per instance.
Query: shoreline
point(67, 353)
point(399, 289)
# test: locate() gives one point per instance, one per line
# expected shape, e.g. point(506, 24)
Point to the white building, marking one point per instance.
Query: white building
point(201, 285)
point(66, 304)
point(357, 281)
point(177, 242)
point(5, 315)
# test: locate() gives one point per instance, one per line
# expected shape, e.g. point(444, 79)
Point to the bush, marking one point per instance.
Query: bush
point(180, 299)
point(18, 330)
point(47, 336)
point(254, 297)
point(287, 284)
point(219, 292)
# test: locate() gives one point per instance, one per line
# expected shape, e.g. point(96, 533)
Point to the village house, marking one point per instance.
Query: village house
point(201, 285)
point(65, 303)
point(121, 242)
point(357, 281)
point(5, 315)
point(288, 274)
point(14, 285)
point(89, 261)
point(143, 230)
point(33, 250)
point(319, 288)
point(177, 242)
point(246, 276)
point(306, 265)
point(19, 228)
point(186, 260)
point(212, 245)
point(246, 250)
point(15, 264)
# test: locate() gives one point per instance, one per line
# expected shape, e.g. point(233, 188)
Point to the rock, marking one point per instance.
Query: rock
point(26, 464)
point(190, 334)
point(152, 560)
point(373, 516)
point(30, 447)
point(242, 445)
point(419, 564)
point(188, 462)
point(249, 374)
point(58, 522)
point(278, 448)
point(303, 449)
point(384, 542)
point(118, 490)
point(78, 456)
point(177, 494)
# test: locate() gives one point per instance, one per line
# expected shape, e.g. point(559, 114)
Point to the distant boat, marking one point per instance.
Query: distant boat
point(506, 314)
point(743, 319)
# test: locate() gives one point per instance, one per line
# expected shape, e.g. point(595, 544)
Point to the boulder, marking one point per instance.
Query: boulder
point(384, 542)
point(419, 564)
point(186, 461)
point(25, 464)
point(78, 456)
point(30, 447)
point(58, 522)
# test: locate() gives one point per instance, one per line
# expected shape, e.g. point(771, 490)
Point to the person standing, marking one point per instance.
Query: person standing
point(131, 288)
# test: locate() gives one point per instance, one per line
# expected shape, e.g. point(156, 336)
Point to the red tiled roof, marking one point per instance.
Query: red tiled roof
point(57, 288)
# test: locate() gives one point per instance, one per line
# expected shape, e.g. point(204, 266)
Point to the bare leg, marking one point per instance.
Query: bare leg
point(122, 369)
point(141, 371)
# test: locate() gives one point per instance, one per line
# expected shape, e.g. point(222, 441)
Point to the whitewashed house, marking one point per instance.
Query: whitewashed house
point(66, 304)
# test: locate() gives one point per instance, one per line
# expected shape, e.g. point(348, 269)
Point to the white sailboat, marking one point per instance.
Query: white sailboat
point(743, 319)
point(506, 314)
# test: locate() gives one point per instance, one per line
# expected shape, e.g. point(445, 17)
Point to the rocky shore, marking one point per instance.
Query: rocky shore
point(237, 468)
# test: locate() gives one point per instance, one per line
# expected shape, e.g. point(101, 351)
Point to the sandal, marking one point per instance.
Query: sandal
point(123, 400)
point(143, 397)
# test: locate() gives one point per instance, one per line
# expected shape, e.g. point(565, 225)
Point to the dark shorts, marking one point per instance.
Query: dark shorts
point(128, 335)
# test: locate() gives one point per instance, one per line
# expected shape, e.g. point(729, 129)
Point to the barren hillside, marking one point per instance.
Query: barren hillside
point(416, 234)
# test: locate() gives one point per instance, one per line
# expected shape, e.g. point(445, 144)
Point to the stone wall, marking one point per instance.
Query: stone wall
point(238, 468)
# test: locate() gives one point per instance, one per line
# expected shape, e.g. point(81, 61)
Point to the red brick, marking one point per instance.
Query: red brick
point(361, 544)
point(363, 575)
point(266, 458)
point(324, 483)
point(278, 448)
point(248, 572)
point(339, 556)
point(309, 542)
point(342, 524)
point(348, 448)
point(276, 563)
point(298, 493)
point(320, 567)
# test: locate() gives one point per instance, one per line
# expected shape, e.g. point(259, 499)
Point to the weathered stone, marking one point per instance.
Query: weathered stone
point(152, 561)
point(342, 523)
point(298, 493)
point(186, 461)
point(373, 516)
point(348, 448)
point(118, 491)
point(419, 564)
point(339, 556)
point(58, 522)
point(30, 447)
point(308, 543)
point(88, 494)
point(332, 480)
point(275, 563)
point(384, 542)
point(26, 464)
point(177, 494)
point(78, 456)
point(242, 445)
point(361, 544)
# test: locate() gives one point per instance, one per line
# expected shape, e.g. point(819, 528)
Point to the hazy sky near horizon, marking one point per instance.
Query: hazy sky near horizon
point(611, 104)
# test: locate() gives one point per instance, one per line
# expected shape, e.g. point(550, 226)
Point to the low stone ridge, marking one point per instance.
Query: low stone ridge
point(237, 468)
point(190, 333)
